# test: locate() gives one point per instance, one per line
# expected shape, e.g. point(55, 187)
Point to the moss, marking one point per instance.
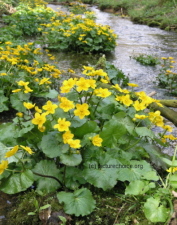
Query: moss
point(26, 203)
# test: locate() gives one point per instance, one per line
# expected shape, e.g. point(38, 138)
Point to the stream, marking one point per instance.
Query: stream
point(133, 39)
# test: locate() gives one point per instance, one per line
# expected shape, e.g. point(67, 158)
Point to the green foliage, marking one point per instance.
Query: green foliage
point(75, 33)
point(167, 78)
point(25, 76)
point(77, 7)
point(95, 135)
point(80, 202)
point(28, 20)
point(147, 60)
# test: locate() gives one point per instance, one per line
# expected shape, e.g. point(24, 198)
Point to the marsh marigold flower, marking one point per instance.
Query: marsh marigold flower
point(97, 141)
point(19, 114)
point(81, 110)
point(82, 85)
point(50, 107)
point(3, 166)
point(28, 105)
point(102, 92)
point(66, 104)
point(62, 125)
point(12, 151)
point(172, 169)
point(74, 143)
point(133, 85)
point(28, 149)
point(67, 136)
point(39, 119)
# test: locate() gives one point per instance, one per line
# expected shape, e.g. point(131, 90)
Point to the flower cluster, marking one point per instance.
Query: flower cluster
point(24, 74)
point(73, 32)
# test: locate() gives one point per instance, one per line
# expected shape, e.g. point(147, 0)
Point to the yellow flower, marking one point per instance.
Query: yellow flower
point(3, 166)
point(27, 89)
point(138, 106)
point(50, 107)
point(39, 119)
point(74, 143)
point(102, 92)
point(11, 152)
point(16, 90)
point(22, 83)
point(97, 141)
point(67, 136)
point(126, 100)
point(68, 85)
point(19, 114)
point(140, 117)
point(81, 110)
point(28, 149)
point(66, 104)
point(28, 105)
point(42, 129)
point(170, 136)
point(172, 169)
point(91, 83)
point(82, 85)
point(168, 128)
point(117, 87)
point(45, 81)
point(37, 109)
point(62, 125)
point(133, 85)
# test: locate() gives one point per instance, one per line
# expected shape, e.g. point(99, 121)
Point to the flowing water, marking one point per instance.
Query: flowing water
point(133, 39)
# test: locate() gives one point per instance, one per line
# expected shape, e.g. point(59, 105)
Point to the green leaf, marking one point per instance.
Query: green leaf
point(88, 127)
point(50, 145)
point(50, 94)
point(71, 159)
point(111, 133)
point(151, 175)
point(17, 182)
point(173, 180)
point(155, 211)
point(3, 102)
point(144, 132)
point(102, 176)
point(155, 154)
point(77, 122)
point(135, 170)
point(7, 133)
point(46, 184)
point(79, 203)
point(138, 187)
point(4, 149)
point(122, 118)
point(17, 100)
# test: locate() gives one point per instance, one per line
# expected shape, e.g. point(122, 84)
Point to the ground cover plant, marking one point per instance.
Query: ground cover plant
point(167, 78)
point(147, 60)
point(73, 143)
point(75, 33)
point(153, 13)
point(93, 133)
point(24, 75)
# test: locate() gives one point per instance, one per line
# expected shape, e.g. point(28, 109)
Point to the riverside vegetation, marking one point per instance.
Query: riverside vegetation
point(73, 142)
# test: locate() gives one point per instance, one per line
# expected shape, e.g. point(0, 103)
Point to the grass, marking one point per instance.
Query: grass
point(161, 13)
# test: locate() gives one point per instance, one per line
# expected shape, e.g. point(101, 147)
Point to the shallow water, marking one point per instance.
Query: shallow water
point(133, 39)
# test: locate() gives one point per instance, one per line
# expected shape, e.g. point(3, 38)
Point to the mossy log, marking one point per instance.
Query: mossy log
point(169, 103)
point(169, 114)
